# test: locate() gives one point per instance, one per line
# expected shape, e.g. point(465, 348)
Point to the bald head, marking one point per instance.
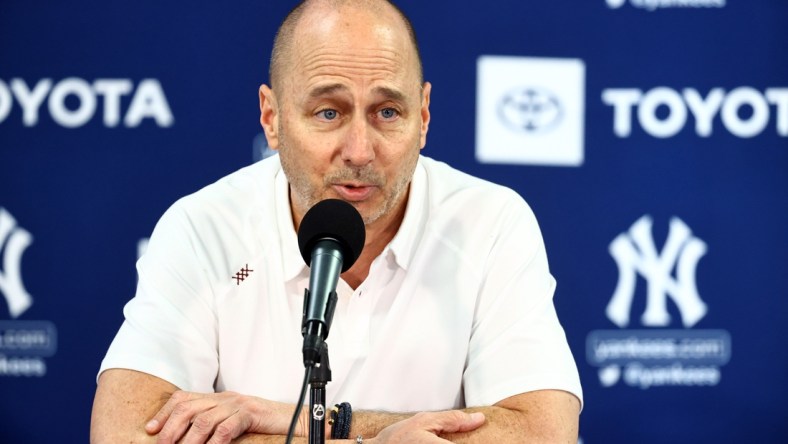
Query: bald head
point(281, 56)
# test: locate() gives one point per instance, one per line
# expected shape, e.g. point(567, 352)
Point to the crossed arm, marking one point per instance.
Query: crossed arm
point(136, 407)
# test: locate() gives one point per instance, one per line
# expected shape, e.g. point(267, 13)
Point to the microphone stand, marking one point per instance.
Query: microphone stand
point(321, 374)
point(321, 369)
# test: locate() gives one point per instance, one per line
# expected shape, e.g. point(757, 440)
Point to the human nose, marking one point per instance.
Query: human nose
point(358, 148)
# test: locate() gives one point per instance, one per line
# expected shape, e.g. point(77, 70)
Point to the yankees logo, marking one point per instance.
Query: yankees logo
point(13, 240)
point(635, 253)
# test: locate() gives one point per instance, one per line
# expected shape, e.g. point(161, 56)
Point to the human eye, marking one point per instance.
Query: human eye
point(388, 113)
point(327, 114)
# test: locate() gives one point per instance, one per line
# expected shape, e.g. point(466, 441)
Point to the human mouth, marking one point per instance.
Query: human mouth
point(354, 192)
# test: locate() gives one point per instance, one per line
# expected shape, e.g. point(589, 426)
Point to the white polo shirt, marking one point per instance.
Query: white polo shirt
point(457, 311)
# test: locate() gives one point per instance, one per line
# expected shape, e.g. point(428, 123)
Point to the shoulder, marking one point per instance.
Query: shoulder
point(230, 214)
point(473, 217)
point(234, 201)
point(242, 189)
point(454, 193)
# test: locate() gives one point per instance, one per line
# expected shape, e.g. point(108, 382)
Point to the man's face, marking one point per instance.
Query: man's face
point(352, 115)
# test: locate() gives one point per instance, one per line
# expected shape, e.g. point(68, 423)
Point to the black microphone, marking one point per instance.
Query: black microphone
point(331, 237)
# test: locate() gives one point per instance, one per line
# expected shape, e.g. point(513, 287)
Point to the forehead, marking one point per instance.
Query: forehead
point(354, 44)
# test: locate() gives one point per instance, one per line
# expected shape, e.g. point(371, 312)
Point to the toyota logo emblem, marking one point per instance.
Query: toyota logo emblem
point(530, 110)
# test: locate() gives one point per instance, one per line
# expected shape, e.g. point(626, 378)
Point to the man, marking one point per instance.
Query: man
point(449, 305)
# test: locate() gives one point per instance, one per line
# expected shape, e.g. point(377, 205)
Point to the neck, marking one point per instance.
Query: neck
point(379, 234)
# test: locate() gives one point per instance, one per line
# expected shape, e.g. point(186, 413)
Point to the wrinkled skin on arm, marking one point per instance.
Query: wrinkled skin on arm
point(136, 407)
point(125, 400)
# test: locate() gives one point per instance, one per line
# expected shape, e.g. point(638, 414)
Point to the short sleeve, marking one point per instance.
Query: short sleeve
point(170, 325)
point(517, 343)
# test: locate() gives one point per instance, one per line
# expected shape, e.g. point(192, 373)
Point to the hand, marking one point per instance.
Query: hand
point(218, 418)
point(426, 426)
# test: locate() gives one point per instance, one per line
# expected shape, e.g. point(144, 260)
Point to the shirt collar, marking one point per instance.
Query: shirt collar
point(292, 262)
point(404, 243)
point(402, 246)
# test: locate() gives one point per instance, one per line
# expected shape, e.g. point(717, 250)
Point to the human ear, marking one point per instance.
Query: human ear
point(425, 112)
point(269, 116)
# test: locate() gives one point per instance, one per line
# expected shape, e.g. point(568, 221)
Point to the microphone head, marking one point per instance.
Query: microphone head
point(333, 219)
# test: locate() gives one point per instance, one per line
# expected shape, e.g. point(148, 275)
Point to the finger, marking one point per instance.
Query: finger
point(221, 421)
point(181, 417)
point(456, 421)
point(160, 418)
point(229, 429)
point(472, 422)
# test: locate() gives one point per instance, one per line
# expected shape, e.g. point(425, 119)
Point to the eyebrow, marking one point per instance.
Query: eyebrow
point(391, 94)
point(326, 90)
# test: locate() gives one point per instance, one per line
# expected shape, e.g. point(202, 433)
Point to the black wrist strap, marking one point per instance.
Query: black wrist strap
point(341, 416)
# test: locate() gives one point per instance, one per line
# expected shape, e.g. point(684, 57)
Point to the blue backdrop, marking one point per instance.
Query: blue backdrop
point(649, 136)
